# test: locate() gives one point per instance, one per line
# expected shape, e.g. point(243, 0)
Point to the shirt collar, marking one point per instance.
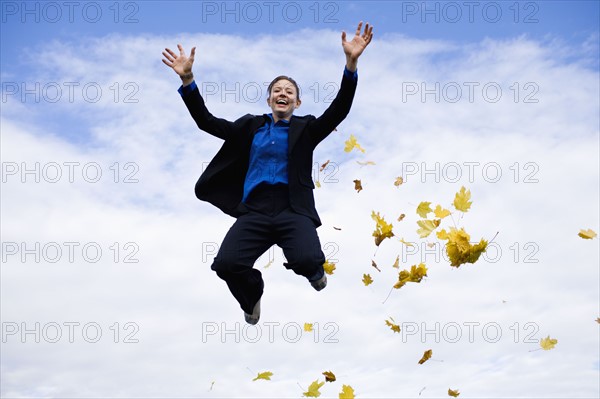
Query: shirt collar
point(281, 120)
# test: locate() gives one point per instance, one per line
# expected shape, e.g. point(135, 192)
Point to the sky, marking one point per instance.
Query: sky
point(105, 281)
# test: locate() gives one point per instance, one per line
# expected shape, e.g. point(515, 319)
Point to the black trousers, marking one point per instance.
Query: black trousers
point(269, 220)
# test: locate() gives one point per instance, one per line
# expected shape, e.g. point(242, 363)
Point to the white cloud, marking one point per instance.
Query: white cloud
point(171, 294)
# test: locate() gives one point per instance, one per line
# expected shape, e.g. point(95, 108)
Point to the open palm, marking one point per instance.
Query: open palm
point(181, 64)
point(354, 48)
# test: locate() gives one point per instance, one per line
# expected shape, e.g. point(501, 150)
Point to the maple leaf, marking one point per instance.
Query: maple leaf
point(397, 262)
point(426, 356)
point(408, 244)
point(399, 180)
point(383, 229)
point(548, 343)
point(324, 166)
point(308, 327)
point(461, 200)
point(440, 212)
point(587, 234)
point(427, 226)
point(365, 163)
point(442, 234)
point(351, 144)
point(393, 326)
point(329, 376)
point(328, 267)
point(460, 250)
point(357, 185)
point(403, 278)
point(375, 265)
point(453, 393)
point(367, 279)
point(347, 392)
point(401, 217)
point(265, 375)
point(423, 209)
point(415, 275)
point(313, 389)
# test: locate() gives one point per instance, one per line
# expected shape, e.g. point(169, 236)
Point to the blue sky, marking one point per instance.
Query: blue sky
point(101, 229)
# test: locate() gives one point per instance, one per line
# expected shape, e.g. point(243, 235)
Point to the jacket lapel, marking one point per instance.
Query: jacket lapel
point(295, 131)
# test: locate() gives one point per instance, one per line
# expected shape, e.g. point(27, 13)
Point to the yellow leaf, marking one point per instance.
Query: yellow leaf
point(427, 226)
point(269, 264)
point(440, 212)
point(394, 327)
point(308, 327)
point(351, 144)
point(415, 275)
point(324, 166)
point(265, 375)
point(313, 389)
point(329, 376)
point(401, 217)
point(587, 234)
point(318, 184)
point(423, 209)
point(357, 185)
point(461, 200)
point(453, 393)
point(328, 267)
point(442, 234)
point(408, 244)
point(383, 229)
point(460, 250)
point(347, 392)
point(548, 343)
point(365, 163)
point(367, 279)
point(426, 356)
point(397, 262)
point(399, 180)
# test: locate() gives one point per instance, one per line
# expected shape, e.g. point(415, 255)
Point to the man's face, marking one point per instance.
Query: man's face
point(283, 99)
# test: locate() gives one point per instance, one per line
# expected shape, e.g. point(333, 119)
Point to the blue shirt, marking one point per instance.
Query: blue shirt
point(269, 151)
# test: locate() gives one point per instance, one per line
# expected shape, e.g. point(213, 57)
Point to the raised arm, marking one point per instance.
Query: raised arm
point(354, 48)
point(181, 64)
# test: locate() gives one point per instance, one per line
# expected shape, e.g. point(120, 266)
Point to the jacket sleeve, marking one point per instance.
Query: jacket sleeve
point(206, 121)
point(337, 111)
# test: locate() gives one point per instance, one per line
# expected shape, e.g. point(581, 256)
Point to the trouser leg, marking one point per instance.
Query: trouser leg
point(247, 239)
point(297, 236)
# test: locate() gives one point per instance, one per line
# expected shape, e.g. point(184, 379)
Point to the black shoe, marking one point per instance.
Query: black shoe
point(253, 318)
point(320, 283)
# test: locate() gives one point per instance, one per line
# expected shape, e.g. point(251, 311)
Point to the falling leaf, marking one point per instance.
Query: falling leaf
point(397, 262)
point(548, 343)
point(393, 326)
point(347, 392)
point(375, 265)
point(318, 184)
point(587, 234)
point(408, 244)
point(461, 200)
point(399, 180)
point(427, 226)
point(211, 385)
point(313, 389)
point(415, 275)
point(367, 279)
point(598, 320)
point(383, 229)
point(426, 356)
point(401, 217)
point(269, 264)
point(336, 228)
point(357, 185)
point(430, 244)
point(324, 166)
point(365, 163)
point(453, 393)
point(329, 376)
point(351, 144)
point(265, 375)
point(459, 248)
point(442, 234)
point(328, 267)
point(441, 212)
point(423, 209)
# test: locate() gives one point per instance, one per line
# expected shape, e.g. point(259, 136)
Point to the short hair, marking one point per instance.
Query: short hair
point(282, 77)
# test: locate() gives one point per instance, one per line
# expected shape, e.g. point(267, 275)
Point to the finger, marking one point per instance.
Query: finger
point(171, 53)
point(167, 63)
point(167, 56)
point(181, 53)
point(343, 37)
point(193, 54)
point(359, 28)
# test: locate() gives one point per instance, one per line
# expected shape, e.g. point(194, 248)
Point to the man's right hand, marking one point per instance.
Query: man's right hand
point(181, 64)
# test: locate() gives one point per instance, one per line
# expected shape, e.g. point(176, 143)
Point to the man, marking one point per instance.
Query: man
point(262, 176)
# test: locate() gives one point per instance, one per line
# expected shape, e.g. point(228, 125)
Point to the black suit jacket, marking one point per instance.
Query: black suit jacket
point(222, 183)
